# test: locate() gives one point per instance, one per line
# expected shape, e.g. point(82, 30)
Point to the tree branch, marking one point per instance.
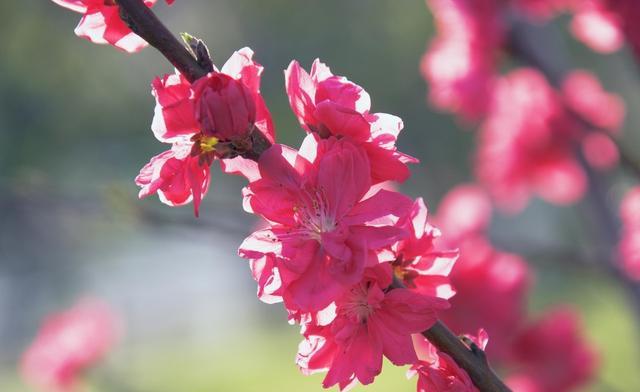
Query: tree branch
point(550, 59)
point(146, 24)
point(474, 364)
point(472, 360)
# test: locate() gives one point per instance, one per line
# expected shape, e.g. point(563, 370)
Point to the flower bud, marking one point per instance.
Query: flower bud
point(224, 107)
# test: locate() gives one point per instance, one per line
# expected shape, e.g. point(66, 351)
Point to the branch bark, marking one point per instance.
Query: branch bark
point(146, 24)
point(474, 362)
point(472, 359)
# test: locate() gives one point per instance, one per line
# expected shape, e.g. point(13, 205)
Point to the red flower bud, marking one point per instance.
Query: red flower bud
point(225, 108)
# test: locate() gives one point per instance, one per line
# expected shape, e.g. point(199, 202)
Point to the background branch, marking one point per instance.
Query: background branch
point(525, 40)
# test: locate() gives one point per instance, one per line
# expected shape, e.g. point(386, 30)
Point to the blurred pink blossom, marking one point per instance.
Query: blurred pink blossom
point(629, 247)
point(460, 64)
point(67, 344)
point(552, 355)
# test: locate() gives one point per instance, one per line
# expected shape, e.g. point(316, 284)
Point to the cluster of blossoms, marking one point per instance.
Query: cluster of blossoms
point(69, 343)
point(336, 239)
point(215, 118)
point(354, 263)
point(518, 154)
point(492, 288)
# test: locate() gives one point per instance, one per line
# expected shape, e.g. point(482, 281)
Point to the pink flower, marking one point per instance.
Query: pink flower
point(552, 354)
point(584, 94)
point(491, 286)
point(331, 105)
point(177, 176)
point(67, 344)
point(627, 14)
point(176, 108)
point(437, 371)
point(604, 25)
point(460, 63)
point(324, 232)
point(629, 247)
point(464, 212)
point(520, 154)
point(101, 23)
point(597, 27)
point(225, 108)
point(174, 114)
point(418, 264)
point(182, 174)
point(368, 323)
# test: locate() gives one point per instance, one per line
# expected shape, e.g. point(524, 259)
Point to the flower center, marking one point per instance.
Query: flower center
point(357, 307)
point(313, 213)
point(208, 143)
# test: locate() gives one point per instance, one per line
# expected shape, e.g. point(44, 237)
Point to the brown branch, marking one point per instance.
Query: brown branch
point(473, 360)
point(147, 25)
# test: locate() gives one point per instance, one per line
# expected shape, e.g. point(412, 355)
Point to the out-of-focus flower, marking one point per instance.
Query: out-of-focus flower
point(331, 105)
point(604, 25)
point(323, 231)
point(584, 94)
point(101, 23)
point(552, 355)
point(491, 286)
point(67, 344)
point(629, 247)
point(596, 26)
point(520, 154)
point(460, 64)
point(369, 322)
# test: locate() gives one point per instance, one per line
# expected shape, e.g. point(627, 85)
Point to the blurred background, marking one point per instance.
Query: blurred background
point(74, 131)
